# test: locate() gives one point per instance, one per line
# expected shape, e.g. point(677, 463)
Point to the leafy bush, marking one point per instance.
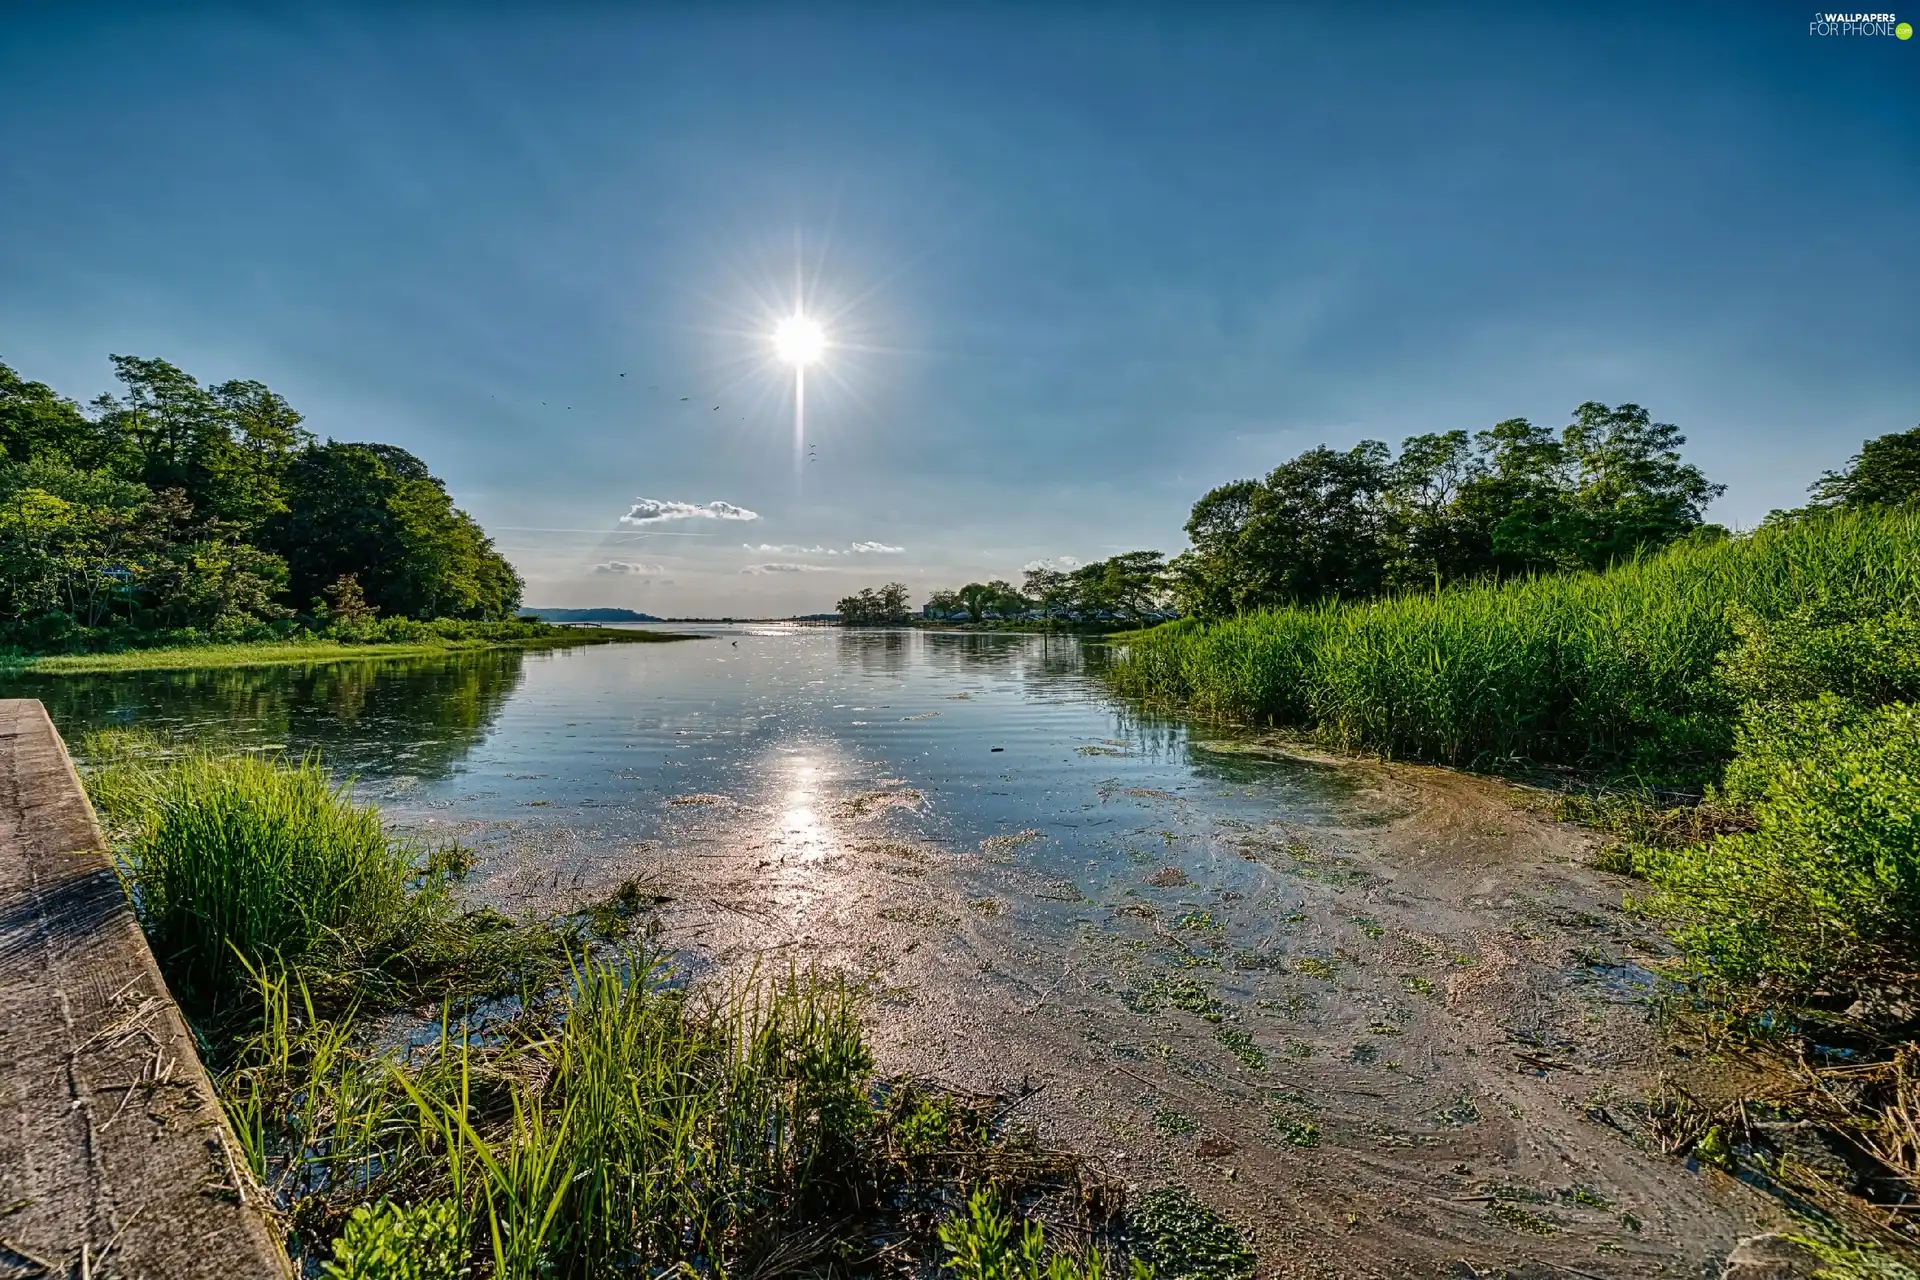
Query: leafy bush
point(1824, 893)
point(395, 1242)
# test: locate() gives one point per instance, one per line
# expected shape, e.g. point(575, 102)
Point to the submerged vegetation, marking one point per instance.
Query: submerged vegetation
point(600, 1119)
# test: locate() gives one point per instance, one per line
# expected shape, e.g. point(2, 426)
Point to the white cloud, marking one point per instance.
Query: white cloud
point(628, 566)
point(1063, 563)
point(658, 510)
point(875, 548)
point(783, 568)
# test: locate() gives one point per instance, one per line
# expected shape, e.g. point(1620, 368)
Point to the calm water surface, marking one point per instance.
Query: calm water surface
point(1176, 932)
point(1006, 739)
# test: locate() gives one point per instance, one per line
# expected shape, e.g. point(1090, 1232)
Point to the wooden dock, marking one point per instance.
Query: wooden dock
point(115, 1160)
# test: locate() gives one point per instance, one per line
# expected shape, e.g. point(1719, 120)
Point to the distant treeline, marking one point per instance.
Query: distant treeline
point(1511, 501)
point(175, 508)
point(1514, 500)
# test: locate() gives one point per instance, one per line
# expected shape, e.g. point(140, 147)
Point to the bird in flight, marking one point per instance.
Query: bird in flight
point(686, 397)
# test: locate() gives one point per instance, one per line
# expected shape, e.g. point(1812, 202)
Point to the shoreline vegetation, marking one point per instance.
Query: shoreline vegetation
point(176, 513)
point(1738, 713)
point(311, 649)
point(422, 1092)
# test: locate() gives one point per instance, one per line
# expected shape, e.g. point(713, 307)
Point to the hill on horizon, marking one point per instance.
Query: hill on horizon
point(587, 615)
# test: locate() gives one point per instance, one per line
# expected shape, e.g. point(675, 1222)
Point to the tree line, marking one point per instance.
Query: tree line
point(1515, 500)
point(175, 506)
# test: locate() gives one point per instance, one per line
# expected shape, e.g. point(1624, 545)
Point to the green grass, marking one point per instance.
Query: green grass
point(1624, 671)
point(238, 865)
point(626, 1125)
point(270, 653)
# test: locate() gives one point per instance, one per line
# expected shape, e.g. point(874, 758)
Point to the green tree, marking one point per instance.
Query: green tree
point(1631, 490)
point(225, 447)
point(1130, 586)
point(1311, 529)
point(1050, 590)
point(374, 511)
point(37, 423)
point(1513, 499)
point(886, 606)
point(1886, 472)
point(976, 598)
point(1427, 535)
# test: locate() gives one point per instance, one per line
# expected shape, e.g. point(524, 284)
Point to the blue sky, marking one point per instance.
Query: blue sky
point(1083, 262)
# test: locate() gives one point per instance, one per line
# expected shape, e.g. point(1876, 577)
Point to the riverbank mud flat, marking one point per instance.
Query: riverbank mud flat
point(1407, 1032)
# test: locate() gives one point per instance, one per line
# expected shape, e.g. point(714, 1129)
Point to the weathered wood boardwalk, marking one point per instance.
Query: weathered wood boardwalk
point(115, 1160)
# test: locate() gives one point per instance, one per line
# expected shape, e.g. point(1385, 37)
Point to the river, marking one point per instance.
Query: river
point(1385, 1017)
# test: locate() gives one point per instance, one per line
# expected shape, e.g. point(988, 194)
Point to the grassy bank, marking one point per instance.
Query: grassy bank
point(603, 1119)
point(1776, 673)
point(1623, 671)
point(317, 649)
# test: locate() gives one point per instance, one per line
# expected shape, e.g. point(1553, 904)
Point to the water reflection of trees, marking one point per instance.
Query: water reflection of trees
point(359, 715)
point(1031, 657)
point(881, 653)
point(973, 649)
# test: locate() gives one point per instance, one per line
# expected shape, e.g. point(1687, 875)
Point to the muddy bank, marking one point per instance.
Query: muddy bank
point(1401, 1035)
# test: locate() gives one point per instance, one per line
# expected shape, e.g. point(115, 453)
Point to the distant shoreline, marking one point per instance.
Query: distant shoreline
point(273, 653)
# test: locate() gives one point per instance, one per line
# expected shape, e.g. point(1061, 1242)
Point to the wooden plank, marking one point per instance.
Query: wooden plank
point(115, 1159)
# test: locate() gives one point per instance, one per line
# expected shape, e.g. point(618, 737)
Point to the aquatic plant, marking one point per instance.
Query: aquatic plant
point(1180, 1238)
point(608, 1121)
point(986, 1243)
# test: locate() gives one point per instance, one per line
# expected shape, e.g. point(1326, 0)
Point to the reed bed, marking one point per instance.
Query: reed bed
point(241, 864)
point(1618, 671)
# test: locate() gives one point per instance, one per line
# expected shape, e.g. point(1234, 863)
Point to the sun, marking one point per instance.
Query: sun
point(799, 340)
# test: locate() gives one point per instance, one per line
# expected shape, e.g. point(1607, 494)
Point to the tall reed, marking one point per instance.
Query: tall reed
point(244, 863)
point(623, 1127)
point(240, 858)
point(1617, 670)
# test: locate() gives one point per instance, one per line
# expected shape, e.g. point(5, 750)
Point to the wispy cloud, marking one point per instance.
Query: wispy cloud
point(658, 510)
point(784, 568)
point(1062, 563)
point(793, 549)
point(629, 567)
